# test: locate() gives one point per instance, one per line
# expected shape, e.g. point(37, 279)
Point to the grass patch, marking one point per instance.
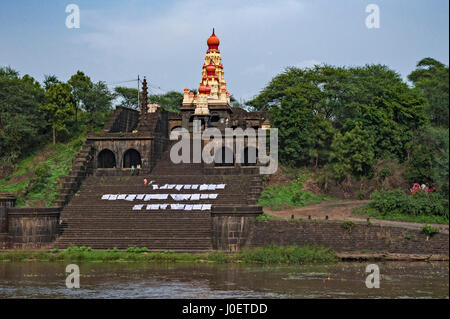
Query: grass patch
point(294, 254)
point(38, 174)
point(423, 219)
point(265, 216)
point(271, 254)
point(429, 230)
point(278, 197)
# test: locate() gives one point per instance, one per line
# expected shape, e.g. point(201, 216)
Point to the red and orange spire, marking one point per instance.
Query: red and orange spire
point(213, 42)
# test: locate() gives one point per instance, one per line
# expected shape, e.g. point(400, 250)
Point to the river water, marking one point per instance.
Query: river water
point(140, 280)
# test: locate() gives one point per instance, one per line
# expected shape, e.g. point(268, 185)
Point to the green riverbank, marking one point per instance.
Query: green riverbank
point(271, 254)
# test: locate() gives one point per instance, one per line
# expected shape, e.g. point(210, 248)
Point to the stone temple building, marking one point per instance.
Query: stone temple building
point(134, 138)
point(124, 190)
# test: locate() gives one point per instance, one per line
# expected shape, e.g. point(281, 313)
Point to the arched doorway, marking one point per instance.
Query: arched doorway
point(220, 158)
point(106, 159)
point(250, 156)
point(131, 158)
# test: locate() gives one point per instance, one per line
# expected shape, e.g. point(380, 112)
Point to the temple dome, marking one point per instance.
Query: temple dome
point(211, 69)
point(213, 41)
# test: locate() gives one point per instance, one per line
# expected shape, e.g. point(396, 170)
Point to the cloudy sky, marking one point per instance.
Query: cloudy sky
point(166, 40)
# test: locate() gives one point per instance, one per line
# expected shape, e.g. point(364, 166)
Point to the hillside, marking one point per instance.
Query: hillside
point(36, 179)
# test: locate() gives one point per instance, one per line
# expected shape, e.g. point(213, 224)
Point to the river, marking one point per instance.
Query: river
point(187, 280)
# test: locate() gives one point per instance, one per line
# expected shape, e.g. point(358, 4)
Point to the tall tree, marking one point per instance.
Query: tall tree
point(170, 101)
point(310, 105)
point(21, 124)
point(50, 79)
point(58, 108)
point(90, 97)
point(97, 100)
point(432, 78)
point(128, 97)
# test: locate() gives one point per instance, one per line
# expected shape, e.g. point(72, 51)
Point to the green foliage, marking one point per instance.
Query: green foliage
point(136, 250)
point(170, 101)
point(346, 117)
point(429, 230)
point(352, 153)
point(419, 203)
point(271, 254)
point(274, 254)
point(289, 195)
point(37, 176)
point(93, 98)
point(219, 257)
point(432, 78)
point(42, 173)
point(22, 126)
point(348, 225)
point(368, 211)
point(429, 159)
point(58, 108)
point(128, 97)
point(264, 217)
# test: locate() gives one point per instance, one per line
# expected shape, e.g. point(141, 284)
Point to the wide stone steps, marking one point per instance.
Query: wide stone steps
point(101, 224)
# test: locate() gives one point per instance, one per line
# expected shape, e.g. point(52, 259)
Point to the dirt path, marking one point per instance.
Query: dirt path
point(343, 210)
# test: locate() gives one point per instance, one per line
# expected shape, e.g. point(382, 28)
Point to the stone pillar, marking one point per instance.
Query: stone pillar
point(6, 201)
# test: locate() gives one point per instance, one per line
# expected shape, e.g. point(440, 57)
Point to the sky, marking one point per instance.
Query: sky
point(166, 40)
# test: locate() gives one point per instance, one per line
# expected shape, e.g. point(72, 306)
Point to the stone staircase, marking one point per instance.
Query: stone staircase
point(87, 220)
point(80, 168)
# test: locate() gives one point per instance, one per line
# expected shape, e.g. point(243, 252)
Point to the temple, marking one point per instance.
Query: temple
point(124, 190)
point(212, 92)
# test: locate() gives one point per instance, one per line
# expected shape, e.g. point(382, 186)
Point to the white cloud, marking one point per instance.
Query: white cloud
point(171, 43)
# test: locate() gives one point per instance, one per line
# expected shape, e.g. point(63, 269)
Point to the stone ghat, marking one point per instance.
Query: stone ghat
point(90, 219)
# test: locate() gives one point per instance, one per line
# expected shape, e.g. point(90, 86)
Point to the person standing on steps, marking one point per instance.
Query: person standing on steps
point(132, 169)
point(138, 169)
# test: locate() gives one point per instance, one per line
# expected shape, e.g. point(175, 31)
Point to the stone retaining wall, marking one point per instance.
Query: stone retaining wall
point(333, 234)
point(29, 227)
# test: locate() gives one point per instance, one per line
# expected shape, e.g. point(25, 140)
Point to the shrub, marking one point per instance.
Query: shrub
point(294, 254)
point(429, 230)
point(219, 257)
point(285, 196)
point(419, 203)
point(348, 225)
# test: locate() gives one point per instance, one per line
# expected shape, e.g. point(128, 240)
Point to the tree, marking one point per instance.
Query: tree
point(80, 85)
point(128, 97)
point(97, 100)
point(310, 105)
point(352, 153)
point(93, 98)
point(170, 101)
point(50, 79)
point(431, 77)
point(59, 106)
point(21, 124)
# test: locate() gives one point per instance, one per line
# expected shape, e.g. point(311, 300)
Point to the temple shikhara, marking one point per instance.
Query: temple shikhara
point(124, 190)
point(213, 89)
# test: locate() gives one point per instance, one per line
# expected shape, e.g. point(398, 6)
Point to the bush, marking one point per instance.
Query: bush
point(294, 254)
point(429, 230)
point(417, 204)
point(219, 257)
point(348, 225)
point(290, 195)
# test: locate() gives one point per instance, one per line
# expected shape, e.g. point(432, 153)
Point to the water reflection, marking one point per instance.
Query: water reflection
point(138, 280)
